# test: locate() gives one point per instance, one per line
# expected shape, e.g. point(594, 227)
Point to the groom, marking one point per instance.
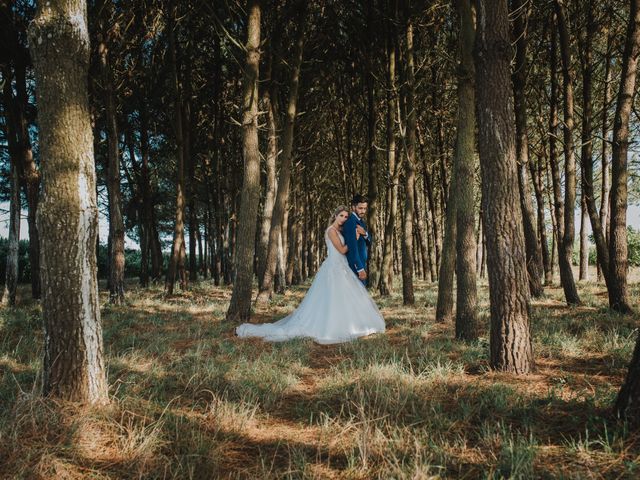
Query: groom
point(357, 238)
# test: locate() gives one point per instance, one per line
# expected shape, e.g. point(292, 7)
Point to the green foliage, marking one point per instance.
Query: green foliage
point(633, 244)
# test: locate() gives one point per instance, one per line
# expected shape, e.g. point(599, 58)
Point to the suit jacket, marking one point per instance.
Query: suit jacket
point(357, 254)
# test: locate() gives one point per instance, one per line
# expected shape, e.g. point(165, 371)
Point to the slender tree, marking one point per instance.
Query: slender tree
point(519, 76)
point(277, 231)
point(565, 250)
point(240, 306)
point(11, 272)
point(465, 166)
point(409, 171)
point(116, 222)
point(177, 260)
point(393, 166)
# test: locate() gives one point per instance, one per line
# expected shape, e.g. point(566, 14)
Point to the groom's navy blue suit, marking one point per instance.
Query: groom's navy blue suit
point(357, 254)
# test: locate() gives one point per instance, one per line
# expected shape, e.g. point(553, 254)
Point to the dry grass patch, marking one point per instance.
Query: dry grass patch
point(190, 400)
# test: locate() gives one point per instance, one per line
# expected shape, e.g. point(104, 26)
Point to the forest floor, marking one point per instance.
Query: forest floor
point(190, 400)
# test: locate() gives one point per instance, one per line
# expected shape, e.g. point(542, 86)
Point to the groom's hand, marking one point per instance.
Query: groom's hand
point(361, 230)
point(362, 274)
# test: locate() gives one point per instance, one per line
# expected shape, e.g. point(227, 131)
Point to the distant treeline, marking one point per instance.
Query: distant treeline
point(132, 267)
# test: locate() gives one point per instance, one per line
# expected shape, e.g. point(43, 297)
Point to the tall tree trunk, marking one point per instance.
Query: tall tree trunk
point(116, 222)
point(539, 189)
point(421, 236)
point(606, 179)
point(147, 202)
point(508, 285)
point(584, 242)
point(433, 209)
point(271, 100)
point(191, 186)
point(565, 250)
point(386, 270)
point(519, 76)
point(586, 156)
point(240, 306)
point(68, 214)
point(618, 256)
point(465, 166)
point(628, 401)
point(11, 273)
point(372, 219)
point(444, 306)
point(284, 180)
point(176, 265)
point(558, 202)
point(29, 172)
point(409, 173)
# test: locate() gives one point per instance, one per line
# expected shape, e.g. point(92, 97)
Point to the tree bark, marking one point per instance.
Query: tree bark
point(586, 156)
point(284, 180)
point(606, 179)
point(565, 250)
point(584, 242)
point(465, 167)
point(30, 174)
point(372, 218)
point(510, 342)
point(409, 173)
point(558, 202)
point(628, 402)
point(176, 262)
point(537, 170)
point(271, 101)
point(68, 215)
point(27, 169)
point(386, 270)
point(191, 185)
point(240, 306)
point(116, 222)
point(444, 306)
point(618, 256)
point(519, 76)
point(12, 272)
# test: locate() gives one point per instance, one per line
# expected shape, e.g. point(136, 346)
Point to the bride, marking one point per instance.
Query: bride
point(337, 308)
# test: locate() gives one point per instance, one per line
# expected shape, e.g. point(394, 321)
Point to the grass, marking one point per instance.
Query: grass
point(190, 400)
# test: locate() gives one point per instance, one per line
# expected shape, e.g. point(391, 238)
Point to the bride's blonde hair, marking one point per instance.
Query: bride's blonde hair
point(336, 212)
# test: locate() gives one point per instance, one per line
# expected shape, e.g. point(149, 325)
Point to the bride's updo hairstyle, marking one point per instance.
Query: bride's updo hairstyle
point(336, 212)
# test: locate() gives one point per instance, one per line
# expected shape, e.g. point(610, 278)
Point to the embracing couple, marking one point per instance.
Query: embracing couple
point(337, 307)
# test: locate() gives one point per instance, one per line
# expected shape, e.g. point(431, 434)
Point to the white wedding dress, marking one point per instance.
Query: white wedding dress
point(337, 308)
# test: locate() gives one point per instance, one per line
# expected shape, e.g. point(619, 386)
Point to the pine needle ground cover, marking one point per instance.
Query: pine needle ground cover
point(190, 400)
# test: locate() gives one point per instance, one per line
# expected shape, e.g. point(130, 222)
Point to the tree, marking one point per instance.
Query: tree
point(506, 258)
point(116, 222)
point(465, 172)
point(68, 216)
point(618, 255)
point(386, 268)
point(240, 306)
point(11, 274)
point(519, 76)
point(565, 250)
point(409, 171)
point(177, 261)
point(277, 230)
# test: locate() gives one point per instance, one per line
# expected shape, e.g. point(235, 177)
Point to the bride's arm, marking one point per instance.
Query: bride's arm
point(333, 236)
